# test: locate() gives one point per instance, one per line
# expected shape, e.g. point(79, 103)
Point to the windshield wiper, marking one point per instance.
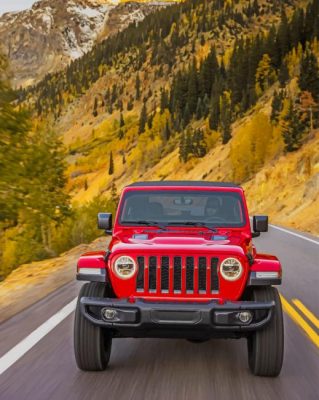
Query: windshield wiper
point(148, 223)
point(196, 224)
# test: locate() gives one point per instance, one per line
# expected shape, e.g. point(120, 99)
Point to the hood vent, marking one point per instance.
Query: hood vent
point(140, 236)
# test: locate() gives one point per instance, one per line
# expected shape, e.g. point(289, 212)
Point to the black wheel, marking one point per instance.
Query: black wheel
point(92, 344)
point(266, 347)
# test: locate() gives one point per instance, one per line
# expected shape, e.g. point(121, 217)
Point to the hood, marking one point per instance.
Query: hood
point(226, 241)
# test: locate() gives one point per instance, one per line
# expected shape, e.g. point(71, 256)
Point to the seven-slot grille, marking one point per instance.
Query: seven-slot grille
point(174, 274)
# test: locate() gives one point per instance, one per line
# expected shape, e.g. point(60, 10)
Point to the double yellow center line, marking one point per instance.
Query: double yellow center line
point(299, 320)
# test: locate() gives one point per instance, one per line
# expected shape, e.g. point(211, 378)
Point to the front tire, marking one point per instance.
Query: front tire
point(92, 344)
point(266, 347)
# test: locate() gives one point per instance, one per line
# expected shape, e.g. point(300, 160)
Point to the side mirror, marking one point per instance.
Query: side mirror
point(260, 224)
point(104, 221)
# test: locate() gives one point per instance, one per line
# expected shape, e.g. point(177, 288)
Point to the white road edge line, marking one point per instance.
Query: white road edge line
point(294, 234)
point(31, 340)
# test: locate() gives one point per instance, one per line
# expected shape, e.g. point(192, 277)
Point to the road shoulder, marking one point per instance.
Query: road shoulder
point(31, 282)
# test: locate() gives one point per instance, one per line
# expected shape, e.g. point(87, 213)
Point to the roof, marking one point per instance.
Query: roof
point(185, 183)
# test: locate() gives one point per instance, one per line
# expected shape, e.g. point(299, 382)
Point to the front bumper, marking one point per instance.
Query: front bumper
point(175, 319)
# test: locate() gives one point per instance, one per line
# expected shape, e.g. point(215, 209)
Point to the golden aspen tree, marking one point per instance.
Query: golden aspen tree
point(249, 147)
point(265, 74)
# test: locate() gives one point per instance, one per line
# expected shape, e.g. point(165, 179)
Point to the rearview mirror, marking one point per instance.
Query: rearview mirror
point(104, 221)
point(260, 223)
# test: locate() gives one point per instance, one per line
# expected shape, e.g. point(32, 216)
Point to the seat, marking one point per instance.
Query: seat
point(228, 210)
point(137, 208)
point(212, 208)
point(155, 211)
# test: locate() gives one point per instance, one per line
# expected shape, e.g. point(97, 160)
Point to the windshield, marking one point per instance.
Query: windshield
point(178, 208)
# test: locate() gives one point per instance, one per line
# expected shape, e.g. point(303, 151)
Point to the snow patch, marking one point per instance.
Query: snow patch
point(91, 21)
point(96, 14)
point(47, 18)
point(71, 44)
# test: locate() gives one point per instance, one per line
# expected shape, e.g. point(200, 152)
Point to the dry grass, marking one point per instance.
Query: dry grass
point(31, 282)
point(288, 189)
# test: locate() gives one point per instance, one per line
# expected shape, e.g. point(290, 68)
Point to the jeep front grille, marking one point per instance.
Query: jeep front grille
point(175, 274)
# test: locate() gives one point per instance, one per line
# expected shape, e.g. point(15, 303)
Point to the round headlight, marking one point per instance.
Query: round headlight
point(124, 267)
point(231, 269)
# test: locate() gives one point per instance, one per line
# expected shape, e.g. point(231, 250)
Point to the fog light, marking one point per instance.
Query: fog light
point(245, 317)
point(109, 313)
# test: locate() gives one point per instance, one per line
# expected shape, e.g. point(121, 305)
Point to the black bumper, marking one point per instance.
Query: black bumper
point(188, 320)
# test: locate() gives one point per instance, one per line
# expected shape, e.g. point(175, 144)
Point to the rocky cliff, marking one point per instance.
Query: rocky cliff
point(46, 37)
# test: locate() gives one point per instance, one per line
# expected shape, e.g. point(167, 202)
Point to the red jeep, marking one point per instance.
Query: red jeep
point(181, 264)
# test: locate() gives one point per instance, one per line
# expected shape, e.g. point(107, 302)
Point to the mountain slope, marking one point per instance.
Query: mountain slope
point(208, 89)
point(46, 37)
point(91, 138)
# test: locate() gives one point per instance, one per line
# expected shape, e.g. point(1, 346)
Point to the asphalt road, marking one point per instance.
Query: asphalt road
point(173, 369)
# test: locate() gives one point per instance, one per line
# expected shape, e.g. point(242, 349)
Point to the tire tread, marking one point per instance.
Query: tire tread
point(92, 344)
point(266, 347)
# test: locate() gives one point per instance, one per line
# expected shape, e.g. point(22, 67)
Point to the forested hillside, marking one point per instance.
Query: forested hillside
point(215, 90)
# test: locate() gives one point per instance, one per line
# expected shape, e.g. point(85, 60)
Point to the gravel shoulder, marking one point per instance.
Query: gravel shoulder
point(31, 282)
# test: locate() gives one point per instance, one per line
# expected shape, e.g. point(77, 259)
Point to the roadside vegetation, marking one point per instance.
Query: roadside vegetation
point(37, 219)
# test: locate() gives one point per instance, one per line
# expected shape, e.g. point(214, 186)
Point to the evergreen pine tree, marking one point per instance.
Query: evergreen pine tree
point(192, 90)
point(45, 201)
point(182, 148)
point(166, 132)
point(121, 134)
point(186, 116)
point(163, 100)
point(283, 35)
point(199, 109)
point(114, 94)
point(276, 106)
point(15, 125)
point(225, 117)
point(137, 87)
point(283, 75)
point(120, 105)
point(199, 145)
point(150, 121)
point(296, 28)
point(205, 106)
point(292, 129)
point(208, 71)
point(130, 104)
point(272, 48)
point(188, 144)
point(214, 115)
point(95, 112)
point(309, 74)
point(111, 164)
point(143, 119)
point(122, 123)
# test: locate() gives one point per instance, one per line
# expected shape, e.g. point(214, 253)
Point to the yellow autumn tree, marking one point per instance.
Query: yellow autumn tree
point(148, 150)
point(265, 74)
point(249, 147)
